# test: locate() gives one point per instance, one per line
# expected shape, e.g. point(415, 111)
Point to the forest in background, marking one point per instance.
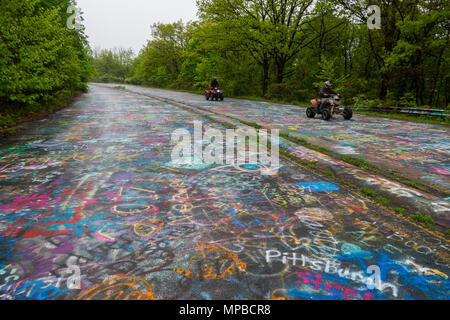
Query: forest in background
point(286, 49)
point(43, 63)
point(281, 50)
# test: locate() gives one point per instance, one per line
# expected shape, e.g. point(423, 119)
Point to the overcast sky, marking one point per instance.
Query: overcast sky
point(126, 23)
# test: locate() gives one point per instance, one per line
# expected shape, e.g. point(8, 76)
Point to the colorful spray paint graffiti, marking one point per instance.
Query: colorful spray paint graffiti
point(415, 150)
point(90, 209)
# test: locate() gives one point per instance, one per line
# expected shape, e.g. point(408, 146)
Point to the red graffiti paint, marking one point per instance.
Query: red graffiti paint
point(336, 289)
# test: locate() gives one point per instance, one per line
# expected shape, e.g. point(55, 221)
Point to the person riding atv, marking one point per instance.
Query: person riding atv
point(328, 104)
point(325, 94)
point(214, 83)
point(216, 92)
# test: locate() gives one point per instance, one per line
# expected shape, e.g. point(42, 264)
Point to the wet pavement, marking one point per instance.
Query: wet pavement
point(91, 207)
point(417, 151)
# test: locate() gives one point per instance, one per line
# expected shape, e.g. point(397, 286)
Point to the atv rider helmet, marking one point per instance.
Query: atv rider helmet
point(328, 84)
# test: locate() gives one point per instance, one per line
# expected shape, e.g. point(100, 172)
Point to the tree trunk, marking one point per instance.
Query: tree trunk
point(384, 87)
point(281, 65)
point(265, 79)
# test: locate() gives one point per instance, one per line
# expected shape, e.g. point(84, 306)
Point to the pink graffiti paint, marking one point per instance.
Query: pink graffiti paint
point(34, 201)
point(339, 290)
point(103, 237)
point(91, 201)
point(441, 171)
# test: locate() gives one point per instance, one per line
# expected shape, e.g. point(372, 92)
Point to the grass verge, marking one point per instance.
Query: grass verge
point(409, 117)
point(425, 220)
point(12, 115)
point(372, 194)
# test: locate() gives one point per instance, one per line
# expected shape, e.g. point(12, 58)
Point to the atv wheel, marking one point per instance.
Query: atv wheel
point(310, 113)
point(221, 98)
point(207, 96)
point(348, 114)
point(326, 114)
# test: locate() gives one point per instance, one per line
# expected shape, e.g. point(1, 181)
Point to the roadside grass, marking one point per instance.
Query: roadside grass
point(363, 164)
point(311, 165)
point(420, 218)
point(383, 200)
point(7, 120)
point(400, 211)
point(120, 88)
point(412, 184)
point(350, 185)
point(328, 173)
point(356, 161)
point(12, 115)
point(277, 101)
point(409, 117)
point(425, 220)
point(250, 124)
point(372, 194)
point(304, 143)
point(225, 124)
point(368, 192)
point(447, 232)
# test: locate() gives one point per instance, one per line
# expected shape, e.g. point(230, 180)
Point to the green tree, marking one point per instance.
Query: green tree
point(112, 65)
point(40, 58)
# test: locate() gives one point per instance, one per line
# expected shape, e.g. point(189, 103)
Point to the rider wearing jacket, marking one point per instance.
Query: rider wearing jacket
point(214, 83)
point(326, 93)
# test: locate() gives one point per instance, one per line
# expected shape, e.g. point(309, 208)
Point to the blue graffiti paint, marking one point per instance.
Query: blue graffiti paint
point(6, 248)
point(425, 283)
point(39, 293)
point(318, 186)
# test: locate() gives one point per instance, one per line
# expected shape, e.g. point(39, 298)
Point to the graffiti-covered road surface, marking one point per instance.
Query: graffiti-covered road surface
point(417, 151)
point(91, 207)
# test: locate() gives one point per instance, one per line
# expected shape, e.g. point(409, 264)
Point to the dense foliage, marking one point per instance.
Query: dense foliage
point(112, 65)
point(42, 61)
point(285, 49)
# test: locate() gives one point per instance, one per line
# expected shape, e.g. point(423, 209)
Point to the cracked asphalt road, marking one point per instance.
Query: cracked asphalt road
point(91, 207)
